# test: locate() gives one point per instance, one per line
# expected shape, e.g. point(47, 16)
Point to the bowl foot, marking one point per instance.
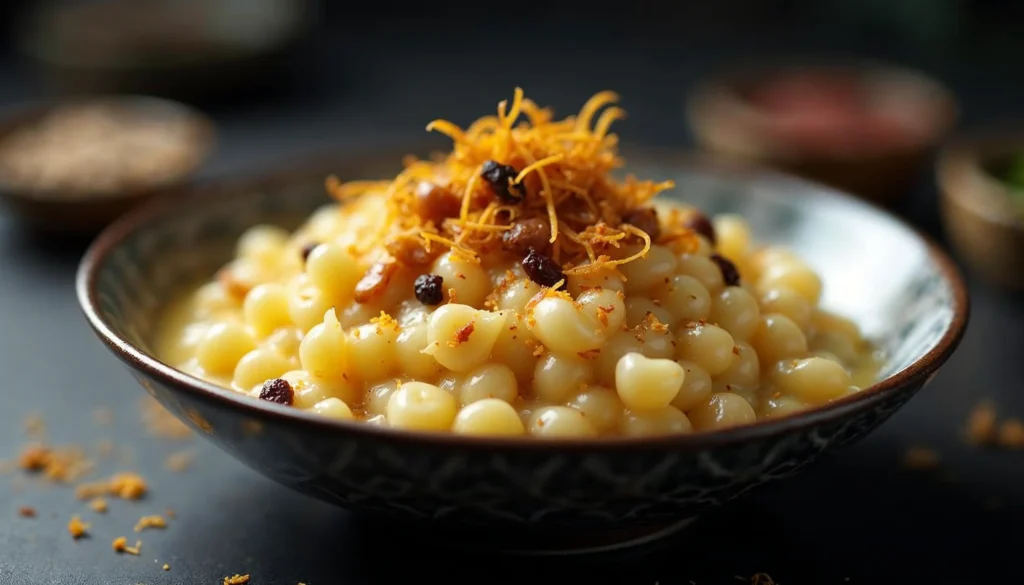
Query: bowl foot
point(540, 541)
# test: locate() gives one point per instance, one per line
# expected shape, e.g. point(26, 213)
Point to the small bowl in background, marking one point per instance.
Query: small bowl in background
point(864, 128)
point(978, 211)
point(168, 48)
point(71, 167)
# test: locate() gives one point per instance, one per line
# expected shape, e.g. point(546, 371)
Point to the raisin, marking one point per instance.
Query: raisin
point(307, 249)
point(428, 289)
point(730, 274)
point(436, 203)
point(645, 219)
point(277, 390)
point(526, 235)
point(700, 223)
point(542, 269)
point(502, 178)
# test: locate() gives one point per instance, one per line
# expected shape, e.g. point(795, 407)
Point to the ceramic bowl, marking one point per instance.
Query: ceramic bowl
point(87, 213)
point(981, 221)
point(726, 121)
point(903, 291)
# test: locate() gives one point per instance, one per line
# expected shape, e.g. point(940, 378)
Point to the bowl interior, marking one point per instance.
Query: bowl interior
point(876, 270)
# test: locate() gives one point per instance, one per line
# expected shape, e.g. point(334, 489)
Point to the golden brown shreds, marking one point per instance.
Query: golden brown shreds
point(161, 423)
point(77, 528)
point(1011, 434)
point(98, 505)
point(102, 417)
point(27, 512)
point(167, 567)
point(921, 458)
point(236, 579)
point(120, 545)
point(179, 461)
point(34, 426)
point(150, 522)
point(981, 424)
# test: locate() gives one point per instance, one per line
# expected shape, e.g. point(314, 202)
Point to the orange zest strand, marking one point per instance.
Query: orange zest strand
point(563, 173)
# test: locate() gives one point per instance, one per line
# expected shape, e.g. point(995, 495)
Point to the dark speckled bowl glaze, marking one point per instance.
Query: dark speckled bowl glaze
point(904, 292)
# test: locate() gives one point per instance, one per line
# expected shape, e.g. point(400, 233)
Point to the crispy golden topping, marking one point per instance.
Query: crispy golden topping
point(525, 173)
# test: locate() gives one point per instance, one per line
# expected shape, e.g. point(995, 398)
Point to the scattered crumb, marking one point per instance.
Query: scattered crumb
point(167, 567)
point(169, 513)
point(34, 426)
point(77, 528)
point(120, 545)
point(150, 522)
point(127, 486)
point(921, 458)
point(61, 464)
point(236, 580)
point(981, 424)
point(102, 417)
point(161, 423)
point(27, 512)
point(98, 505)
point(1011, 434)
point(179, 461)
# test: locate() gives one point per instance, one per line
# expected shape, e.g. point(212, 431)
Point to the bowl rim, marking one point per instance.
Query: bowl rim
point(19, 116)
point(964, 180)
point(86, 285)
point(715, 97)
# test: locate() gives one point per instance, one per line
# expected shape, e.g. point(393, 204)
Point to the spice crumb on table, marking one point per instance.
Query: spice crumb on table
point(27, 512)
point(120, 545)
point(921, 458)
point(179, 461)
point(77, 528)
point(150, 522)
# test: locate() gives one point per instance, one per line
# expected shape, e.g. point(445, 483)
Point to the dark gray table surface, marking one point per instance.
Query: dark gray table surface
point(859, 517)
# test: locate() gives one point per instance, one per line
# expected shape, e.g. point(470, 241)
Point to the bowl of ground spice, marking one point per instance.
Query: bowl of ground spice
point(866, 128)
point(74, 166)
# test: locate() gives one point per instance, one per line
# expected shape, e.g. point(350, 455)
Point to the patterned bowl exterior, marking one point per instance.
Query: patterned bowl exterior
point(904, 292)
